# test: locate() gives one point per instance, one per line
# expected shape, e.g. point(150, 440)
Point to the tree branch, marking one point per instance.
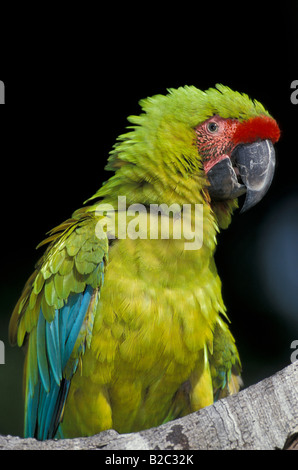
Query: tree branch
point(263, 416)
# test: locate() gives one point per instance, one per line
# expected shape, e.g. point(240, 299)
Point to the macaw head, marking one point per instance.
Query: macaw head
point(196, 146)
point(236, 147)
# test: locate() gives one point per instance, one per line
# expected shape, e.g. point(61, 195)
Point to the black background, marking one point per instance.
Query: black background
point(71, 81)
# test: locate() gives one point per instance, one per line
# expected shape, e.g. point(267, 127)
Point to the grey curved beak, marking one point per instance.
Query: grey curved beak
point(256, 165)
point(250, 170)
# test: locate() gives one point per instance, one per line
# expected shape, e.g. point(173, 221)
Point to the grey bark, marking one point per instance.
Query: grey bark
point(263, 416)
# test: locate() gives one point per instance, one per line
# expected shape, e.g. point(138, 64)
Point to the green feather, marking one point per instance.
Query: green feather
point(57, 261)
point(66, 266)
point(38, 283)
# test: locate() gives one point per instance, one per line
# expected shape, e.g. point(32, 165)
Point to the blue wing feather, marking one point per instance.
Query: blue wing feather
point(54, 343)
point(76, 323)
point(53, 347)
point(41, 352)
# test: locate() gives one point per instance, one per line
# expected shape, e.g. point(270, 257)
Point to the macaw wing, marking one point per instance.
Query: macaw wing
point(54, 317)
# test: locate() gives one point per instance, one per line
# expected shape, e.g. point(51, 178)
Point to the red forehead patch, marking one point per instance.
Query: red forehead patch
point(261, 127)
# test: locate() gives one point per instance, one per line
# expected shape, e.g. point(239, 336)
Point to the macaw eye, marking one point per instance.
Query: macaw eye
point(212, 127)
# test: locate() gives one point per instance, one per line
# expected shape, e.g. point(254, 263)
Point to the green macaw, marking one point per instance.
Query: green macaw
point(128, 332)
